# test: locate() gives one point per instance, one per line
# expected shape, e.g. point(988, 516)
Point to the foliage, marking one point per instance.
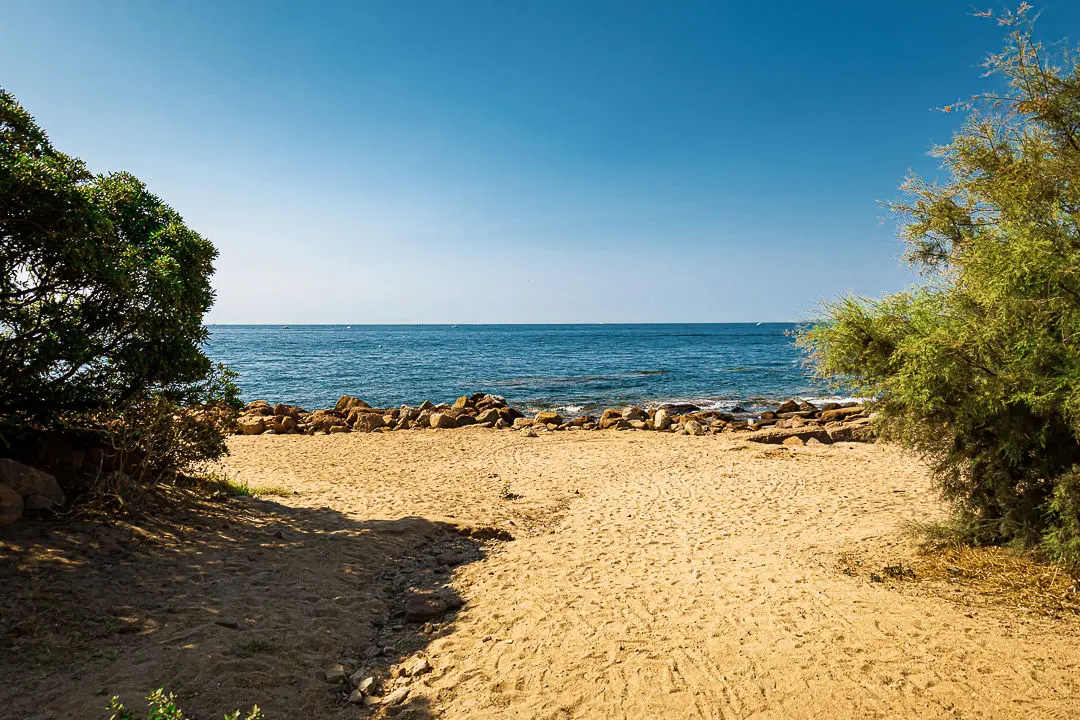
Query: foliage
point(102, 295)
point(163, 707)
point(102, 286)
point(978, 367)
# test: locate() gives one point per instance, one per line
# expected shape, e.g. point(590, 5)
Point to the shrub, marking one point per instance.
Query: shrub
point(162, 706)
point(978, 367)
point(102, 295)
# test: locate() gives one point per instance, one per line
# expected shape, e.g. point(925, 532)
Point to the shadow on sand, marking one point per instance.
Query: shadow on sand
point(225, 604)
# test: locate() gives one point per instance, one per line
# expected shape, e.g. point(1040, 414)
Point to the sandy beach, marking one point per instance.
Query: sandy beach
point(648, 575)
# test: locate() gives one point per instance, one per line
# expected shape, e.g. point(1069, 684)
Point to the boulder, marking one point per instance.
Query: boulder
point(426, 405)
point(547, 417)
point(11, 505)
point(840, 413)
point(788, 406)
point(609, 418)
point(258, 407)
point(807, 406)
point(348, 402)
point(661, 419)
point(337, 429)
point(39, 490)
point(632, 413)
point(251, 424)
point(403, 424)
point(638, 424)
point(521, 423)
point(288, 424)
point(367, 422)
point(768, 415)
point(423, 419)
point(793, 440)
point(463, 419)
point(442, 420)
point(674, 409)
point(490, 415)
point(493, 400)
point(323, 420)
point(693, 427)
point(461, 403)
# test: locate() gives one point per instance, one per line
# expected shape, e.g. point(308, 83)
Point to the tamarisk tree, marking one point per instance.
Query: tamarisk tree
point(977, 367)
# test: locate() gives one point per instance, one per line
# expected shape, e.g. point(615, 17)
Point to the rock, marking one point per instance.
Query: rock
point(368, 422)
point(426, 405)
point(793, 441)
point(661, 419)
point(788, 406)
point(423, 605)
point(338, 429)
point(461, 403)
point(323, 420)
point(529, 432)
point(632, 413)
point(348, 402)
point(368, 686)
point(693, 427)
point(403, 424)
point(356, 697)
point(258, 407)
point(335, 673)
point(768, 415)
point(851, 432)
point(450, 558)
point(840, 413)
point(288, 424)
point(462, 420)
point(423, 419)
point(251, 425)
point(11, 505)
point(491, 415)
point(417, 668)
point(397, 697)
point(638, 424)
point(674, 409)
point(497, 401)
point(39, 490)
point(442, 420)
point(521, 423)
point(812, 442)
point(807, 406)
point(547, 417)
point(609, 418)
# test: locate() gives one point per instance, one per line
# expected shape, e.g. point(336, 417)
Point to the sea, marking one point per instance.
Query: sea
point(569, 368)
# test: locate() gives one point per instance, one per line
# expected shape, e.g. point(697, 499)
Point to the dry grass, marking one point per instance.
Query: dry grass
point(1001, 576)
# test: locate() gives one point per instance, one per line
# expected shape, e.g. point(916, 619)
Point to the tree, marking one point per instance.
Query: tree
point(102, 289)
point(978, 366)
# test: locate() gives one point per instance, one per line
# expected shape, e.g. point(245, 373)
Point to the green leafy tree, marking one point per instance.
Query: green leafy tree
point(978, 366)
point(102, 286)
point(103, 289)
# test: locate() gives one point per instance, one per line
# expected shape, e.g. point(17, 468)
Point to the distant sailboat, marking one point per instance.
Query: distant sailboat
point(453, 326)
point(286, 327)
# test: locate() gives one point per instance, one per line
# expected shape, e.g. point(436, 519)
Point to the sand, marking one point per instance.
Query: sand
point(649, 575)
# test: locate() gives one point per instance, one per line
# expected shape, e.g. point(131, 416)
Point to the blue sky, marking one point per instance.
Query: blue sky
point(372, 162)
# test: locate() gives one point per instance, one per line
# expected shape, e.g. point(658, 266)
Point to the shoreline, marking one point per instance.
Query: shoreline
point(792, 419)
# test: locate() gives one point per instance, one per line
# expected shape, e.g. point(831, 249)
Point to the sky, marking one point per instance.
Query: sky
point(427, 161)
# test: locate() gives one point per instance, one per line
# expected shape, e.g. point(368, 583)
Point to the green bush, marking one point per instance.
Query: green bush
point(163, 707)
point(978, 367)
point(102, 295)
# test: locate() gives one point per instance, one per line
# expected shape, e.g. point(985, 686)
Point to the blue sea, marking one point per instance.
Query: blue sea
point(573, 368)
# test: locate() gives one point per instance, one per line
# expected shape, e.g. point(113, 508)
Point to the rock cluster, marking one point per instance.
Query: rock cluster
point(352, 414)
point(25, 488)
point(830, 423)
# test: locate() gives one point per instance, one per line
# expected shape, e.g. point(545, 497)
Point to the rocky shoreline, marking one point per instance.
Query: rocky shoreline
point(793, 422)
